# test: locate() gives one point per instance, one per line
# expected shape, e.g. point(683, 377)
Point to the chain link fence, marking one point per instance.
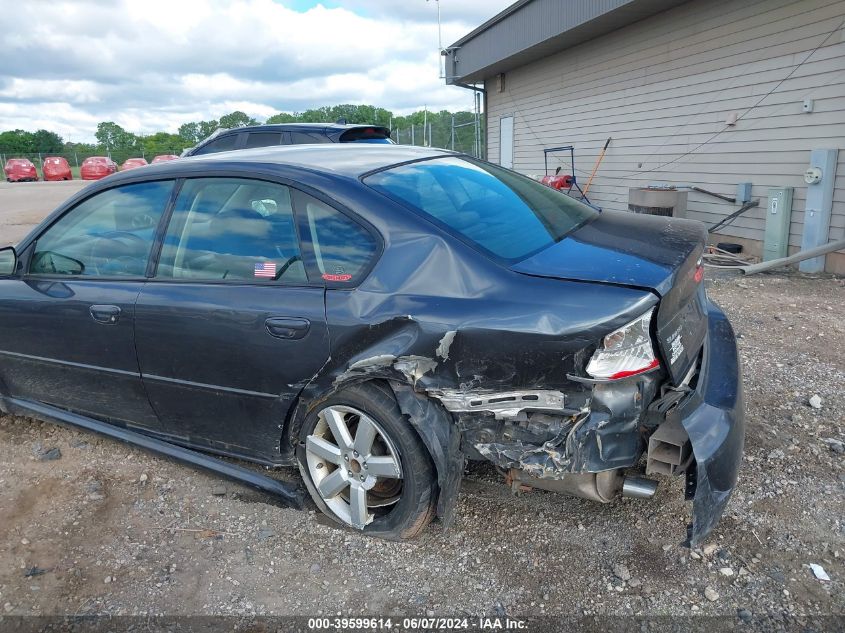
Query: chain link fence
point(461, 134)
point(75, 158)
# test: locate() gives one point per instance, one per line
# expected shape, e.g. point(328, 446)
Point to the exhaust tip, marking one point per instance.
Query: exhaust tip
point(638, 487)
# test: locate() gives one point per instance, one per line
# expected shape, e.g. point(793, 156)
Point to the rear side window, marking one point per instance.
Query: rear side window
point(301, 138)
point(343, 249)
point(262, 139)
point(505, 214)
point(222, 144)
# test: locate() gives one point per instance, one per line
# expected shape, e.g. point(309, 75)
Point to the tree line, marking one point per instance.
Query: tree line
point(120, 144)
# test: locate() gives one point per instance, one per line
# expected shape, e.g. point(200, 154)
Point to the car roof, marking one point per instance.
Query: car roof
point(351, 160)
point(281, 127)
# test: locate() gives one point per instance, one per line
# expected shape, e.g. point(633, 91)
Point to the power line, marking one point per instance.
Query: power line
point(633, 174)
point(725, 127)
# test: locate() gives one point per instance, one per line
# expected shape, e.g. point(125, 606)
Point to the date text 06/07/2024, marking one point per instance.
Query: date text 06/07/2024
point(423, 623)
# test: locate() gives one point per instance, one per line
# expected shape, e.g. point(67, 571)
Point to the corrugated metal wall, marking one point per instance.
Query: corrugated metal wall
point(664, 86)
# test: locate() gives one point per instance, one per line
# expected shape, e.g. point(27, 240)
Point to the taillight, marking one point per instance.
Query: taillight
point(625, 352)
point(699, 272)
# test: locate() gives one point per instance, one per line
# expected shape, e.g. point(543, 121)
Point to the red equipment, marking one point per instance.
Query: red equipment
point(19, 170)
point(97, 167)
point(563, 181)
point(56, 168)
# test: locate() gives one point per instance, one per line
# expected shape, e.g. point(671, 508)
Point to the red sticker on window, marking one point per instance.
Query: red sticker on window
point(329, 277)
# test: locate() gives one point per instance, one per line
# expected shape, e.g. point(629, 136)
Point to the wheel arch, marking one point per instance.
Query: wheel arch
point(435, 426)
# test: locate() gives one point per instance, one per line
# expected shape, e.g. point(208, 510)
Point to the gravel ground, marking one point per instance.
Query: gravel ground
point(93, 526)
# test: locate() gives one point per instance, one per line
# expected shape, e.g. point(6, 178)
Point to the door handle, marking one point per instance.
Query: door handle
point(287, 328)
point(107, 315)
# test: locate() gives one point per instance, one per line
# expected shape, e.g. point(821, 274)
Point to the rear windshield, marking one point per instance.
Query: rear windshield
point(367, 135)
point(505, 214)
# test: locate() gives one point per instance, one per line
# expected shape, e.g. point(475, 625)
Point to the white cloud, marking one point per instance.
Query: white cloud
point(155, 64)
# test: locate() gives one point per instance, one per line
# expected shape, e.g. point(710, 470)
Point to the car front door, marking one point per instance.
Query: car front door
point(230, 329)
point(67, 320)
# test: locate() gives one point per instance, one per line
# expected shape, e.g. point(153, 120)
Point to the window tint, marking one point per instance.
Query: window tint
point(222, 144)
point(343, 248)
point(508, 215)
point(298, 138)
point(109, 234)
point(232, 229)
point(263, 139)
point(367, 135)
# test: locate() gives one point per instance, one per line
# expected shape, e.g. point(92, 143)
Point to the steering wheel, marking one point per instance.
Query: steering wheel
point(117, 247)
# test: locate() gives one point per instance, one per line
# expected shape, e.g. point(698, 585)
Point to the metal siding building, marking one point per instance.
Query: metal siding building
point(663, 79)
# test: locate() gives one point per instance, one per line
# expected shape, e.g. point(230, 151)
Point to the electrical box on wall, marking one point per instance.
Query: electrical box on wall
point(819, 176)
point(778, 218)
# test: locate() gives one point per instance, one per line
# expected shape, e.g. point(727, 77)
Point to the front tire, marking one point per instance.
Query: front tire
point(364, 465)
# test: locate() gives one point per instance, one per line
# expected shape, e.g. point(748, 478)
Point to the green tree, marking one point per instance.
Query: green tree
point(236, 119)
point(111, 136)
point(195, 131)
point(17, 142)
point(162, 143)
point(46, 142)
point(189, 133)
point(329, 114)
point(283, 117)
point(207, 128)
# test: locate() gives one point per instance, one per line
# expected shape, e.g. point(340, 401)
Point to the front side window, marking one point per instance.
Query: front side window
point(226, 229)
point(507, 215)
point(108, 235)
point(343, 249)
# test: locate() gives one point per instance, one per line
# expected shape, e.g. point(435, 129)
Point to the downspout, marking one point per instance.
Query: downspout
point(482, 142)
point(451, 52)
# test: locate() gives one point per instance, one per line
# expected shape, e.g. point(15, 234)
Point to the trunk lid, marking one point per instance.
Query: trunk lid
point(653, 252)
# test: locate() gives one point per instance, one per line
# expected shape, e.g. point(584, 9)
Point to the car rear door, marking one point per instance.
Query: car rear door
point(230, 328)
point(67, 323)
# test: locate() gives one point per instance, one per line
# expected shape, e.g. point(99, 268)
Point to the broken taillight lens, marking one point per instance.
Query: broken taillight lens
point(625, 352)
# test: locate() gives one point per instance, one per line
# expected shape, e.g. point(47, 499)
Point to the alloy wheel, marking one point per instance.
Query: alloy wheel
point(353, 464)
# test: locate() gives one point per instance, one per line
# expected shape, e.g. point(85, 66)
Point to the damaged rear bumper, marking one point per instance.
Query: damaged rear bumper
point(714, 419)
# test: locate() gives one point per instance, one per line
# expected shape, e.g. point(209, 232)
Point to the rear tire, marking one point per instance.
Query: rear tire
point(365, 466)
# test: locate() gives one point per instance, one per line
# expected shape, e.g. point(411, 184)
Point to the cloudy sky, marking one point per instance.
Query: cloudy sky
point(151, 65)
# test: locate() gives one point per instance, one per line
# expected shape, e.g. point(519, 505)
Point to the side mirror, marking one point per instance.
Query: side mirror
point(8, 261)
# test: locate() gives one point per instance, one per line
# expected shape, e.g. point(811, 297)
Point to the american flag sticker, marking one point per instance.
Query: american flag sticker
point(267, 269)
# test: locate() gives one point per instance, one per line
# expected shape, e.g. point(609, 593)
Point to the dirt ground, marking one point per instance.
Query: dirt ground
point(103, 528)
